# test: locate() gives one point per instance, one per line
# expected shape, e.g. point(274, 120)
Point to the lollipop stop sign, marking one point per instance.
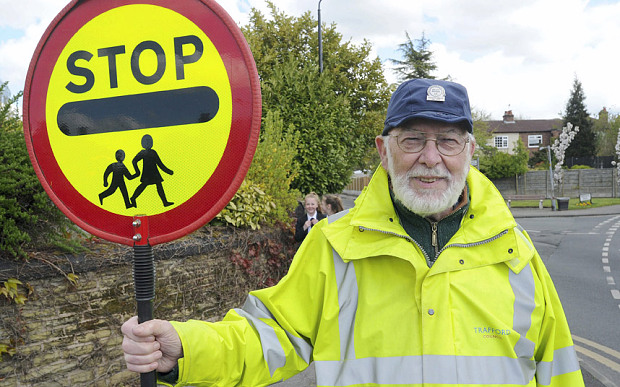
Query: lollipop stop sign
point(141, 120)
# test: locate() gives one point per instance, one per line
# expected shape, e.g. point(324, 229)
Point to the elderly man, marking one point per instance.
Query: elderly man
point(427, 281)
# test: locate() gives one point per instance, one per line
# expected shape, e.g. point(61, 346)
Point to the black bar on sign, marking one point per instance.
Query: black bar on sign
point(139, 111)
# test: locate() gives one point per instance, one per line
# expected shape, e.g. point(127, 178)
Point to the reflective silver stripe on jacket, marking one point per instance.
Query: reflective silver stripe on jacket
point(336, 216)
point(347, 298)
point(564, 361)
point(524, 289)
point(253, 310)
point(347, 302)
point(423, 369)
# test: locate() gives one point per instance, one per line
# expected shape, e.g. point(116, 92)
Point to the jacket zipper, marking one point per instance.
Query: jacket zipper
point(491, 239)
point(434, 239)
point(407, 237)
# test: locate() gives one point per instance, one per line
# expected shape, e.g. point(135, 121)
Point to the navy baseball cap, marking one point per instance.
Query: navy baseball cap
point(432, 99)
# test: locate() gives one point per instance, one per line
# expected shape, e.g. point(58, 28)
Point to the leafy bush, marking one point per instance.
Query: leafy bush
point(27, 215)
point(501, 164)
point(540, 159)
point(248, 208)
point(580, 167)
point(274, 166)
point(265, 196)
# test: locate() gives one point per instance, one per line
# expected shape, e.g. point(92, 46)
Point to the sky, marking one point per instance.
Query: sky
point(510, 55)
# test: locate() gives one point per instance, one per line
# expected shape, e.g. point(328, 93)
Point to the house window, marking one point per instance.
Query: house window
point(534, 141)
point(501, 142)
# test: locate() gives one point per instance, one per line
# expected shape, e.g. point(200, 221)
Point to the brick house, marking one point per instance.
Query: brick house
point(533, 133)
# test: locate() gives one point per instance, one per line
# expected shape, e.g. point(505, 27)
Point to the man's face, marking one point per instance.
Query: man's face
point(427, 182)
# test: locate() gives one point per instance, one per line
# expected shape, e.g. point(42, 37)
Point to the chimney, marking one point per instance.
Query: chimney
point(509, 118)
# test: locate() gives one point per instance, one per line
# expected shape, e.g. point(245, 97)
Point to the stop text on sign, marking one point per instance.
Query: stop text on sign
point(75, 67)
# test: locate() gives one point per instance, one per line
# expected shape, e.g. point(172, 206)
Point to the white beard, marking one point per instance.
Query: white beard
point(426, 202)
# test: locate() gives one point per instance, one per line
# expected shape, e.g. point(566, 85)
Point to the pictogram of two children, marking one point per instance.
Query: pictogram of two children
point(151, 164)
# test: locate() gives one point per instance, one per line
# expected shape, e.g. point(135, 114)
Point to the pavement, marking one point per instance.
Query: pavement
point(546, 212)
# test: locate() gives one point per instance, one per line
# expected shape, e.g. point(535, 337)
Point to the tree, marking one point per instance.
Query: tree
point(481, 133)
point(324, 121)
point(615, 123)
point(584, 143)
point(559, 147)
point(337, 113)
point(614, 128)
point(417, 59)
point(606, 132)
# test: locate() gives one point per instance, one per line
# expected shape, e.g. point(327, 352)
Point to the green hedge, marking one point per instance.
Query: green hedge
point(28, 218)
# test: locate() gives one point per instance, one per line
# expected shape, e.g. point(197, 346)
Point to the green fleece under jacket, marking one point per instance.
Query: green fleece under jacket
point(431, 236)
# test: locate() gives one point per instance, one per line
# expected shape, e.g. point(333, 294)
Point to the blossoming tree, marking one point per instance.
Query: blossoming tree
point(616, 163)
point(559, 149)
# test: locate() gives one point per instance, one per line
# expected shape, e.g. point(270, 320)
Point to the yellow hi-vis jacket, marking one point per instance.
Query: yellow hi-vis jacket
point(360, 301)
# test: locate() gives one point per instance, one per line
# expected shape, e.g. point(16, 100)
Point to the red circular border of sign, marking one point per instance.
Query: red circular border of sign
point(228, 175)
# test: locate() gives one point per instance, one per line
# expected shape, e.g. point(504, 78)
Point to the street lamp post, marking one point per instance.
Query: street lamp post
point(320, 42)
point(550, 175)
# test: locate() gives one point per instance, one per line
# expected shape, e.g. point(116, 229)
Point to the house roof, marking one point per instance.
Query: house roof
point(525, 126)
point(509, 125)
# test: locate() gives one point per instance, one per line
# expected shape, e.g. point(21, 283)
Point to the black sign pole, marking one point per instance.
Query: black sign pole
point(144, 282)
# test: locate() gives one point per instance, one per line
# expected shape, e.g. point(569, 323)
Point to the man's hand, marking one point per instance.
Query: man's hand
point(152, 345)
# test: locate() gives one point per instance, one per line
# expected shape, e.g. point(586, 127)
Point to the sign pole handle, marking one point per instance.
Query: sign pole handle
point(144, 281)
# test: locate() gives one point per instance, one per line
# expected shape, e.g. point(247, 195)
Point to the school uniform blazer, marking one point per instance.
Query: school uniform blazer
point(300, 233)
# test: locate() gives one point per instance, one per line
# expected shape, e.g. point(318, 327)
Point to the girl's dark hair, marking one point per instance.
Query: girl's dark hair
point(334, 201)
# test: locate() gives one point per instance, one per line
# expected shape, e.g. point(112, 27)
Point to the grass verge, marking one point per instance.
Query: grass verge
point(573, 203)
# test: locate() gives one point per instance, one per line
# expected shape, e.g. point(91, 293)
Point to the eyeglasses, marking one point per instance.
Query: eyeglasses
point(448, 144)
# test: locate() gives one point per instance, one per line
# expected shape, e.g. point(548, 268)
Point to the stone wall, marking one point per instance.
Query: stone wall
point(69, 335)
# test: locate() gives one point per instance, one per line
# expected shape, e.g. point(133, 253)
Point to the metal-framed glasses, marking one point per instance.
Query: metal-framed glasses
point(448, 144)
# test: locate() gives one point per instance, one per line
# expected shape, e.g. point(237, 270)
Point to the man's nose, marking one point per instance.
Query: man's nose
point(430, 155)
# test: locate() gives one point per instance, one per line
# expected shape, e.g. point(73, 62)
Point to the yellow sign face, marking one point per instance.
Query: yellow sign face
point(139, 110)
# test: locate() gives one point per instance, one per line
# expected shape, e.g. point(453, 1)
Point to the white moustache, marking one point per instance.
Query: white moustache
point(436, 173)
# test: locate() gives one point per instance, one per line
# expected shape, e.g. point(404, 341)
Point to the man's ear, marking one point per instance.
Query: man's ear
point(472, 147)
point(380, 142)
